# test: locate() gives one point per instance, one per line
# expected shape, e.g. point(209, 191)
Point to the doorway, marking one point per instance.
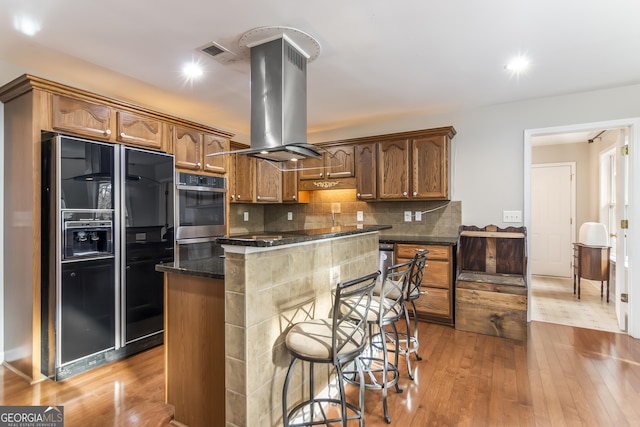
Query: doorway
point(552, 218)
point(633, 127)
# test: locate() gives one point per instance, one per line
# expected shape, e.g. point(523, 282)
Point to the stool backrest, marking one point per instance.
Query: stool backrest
point(349, 318)
point(395, 281)
point(417, 271)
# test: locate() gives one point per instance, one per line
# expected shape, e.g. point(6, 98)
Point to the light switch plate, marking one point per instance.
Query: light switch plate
point(418, 215)
point(407, 216)
point(289, 216)
point(246, 216)
point(359, 216)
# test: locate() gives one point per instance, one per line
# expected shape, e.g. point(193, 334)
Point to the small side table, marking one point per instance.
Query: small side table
point(592, 263)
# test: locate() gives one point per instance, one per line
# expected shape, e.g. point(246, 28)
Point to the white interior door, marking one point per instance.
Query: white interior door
point(552, 213)
point(622, 201)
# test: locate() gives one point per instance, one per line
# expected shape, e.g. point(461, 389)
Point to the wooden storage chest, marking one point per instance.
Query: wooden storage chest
point(491, 288)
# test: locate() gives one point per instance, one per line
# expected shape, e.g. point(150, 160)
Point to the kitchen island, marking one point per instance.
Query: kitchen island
point(224, 330)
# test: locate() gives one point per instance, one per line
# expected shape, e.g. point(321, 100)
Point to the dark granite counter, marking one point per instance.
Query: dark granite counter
point(207, 267)
point(419, 240)
point(214, 267)
point(277, 238)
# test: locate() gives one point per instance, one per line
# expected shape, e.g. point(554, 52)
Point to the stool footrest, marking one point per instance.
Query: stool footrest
point(373, 369)
point(320, 415)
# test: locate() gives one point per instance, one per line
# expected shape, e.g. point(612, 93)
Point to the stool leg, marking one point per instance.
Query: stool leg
point(407, 353)
point(385, 364)
point(415, 329)
point(343, 399)
point(285, 412)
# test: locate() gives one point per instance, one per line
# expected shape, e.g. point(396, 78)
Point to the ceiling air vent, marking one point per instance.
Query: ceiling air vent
point(219, 53)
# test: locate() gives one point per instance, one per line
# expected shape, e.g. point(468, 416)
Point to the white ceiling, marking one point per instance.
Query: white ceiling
point(380, 59)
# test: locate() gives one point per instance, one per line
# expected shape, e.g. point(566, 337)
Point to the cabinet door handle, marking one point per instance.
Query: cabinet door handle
point(73, 274)
point(107, 132)
point(238, 197)
point(321, 174)
point(328, 174)
point(232, 197)
point(358, 195)
point(294, 197)
point(199, 164)
point(258, 197)
point(415, 193)
point(404, 193)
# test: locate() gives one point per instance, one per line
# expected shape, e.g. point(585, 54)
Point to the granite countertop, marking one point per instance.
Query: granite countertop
point(419, 240)
point(214, 267)
point(278, 238)
point(207, 267)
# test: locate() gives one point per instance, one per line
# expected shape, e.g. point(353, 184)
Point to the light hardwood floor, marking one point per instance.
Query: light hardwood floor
point(561, 375)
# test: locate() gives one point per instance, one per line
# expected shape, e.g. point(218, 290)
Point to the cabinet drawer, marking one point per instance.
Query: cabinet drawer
point(435, 302)
point(437, 274)
point(405, 250)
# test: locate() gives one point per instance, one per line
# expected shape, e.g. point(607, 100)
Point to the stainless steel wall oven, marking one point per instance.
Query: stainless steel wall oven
point(201, 206)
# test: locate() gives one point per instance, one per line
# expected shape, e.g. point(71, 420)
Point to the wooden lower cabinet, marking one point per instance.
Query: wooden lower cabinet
point(194, 337)
point(436, 305)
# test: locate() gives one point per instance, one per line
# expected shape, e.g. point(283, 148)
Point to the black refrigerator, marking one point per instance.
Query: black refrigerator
point(107, 220)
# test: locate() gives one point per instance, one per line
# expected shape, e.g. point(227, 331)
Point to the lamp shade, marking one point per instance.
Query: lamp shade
point(593, 234)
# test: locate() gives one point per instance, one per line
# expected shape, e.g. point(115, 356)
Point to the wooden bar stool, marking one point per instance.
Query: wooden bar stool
point(339, 341)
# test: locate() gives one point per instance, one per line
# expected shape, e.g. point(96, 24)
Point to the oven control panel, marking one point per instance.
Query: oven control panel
point(195, 180)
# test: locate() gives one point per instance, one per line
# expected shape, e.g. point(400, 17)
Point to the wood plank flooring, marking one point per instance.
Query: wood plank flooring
point(561, 376)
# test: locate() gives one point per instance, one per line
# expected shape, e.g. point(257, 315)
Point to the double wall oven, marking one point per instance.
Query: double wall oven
point(200, 215)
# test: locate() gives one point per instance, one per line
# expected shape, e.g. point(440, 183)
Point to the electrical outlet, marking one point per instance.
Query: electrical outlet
point(407, 216)
point(511, 216)
point(289, 216)
point(359, 216)
point(246, 216)
point(418, 215)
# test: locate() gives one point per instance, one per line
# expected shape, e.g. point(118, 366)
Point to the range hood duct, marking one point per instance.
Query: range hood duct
point(279, 101)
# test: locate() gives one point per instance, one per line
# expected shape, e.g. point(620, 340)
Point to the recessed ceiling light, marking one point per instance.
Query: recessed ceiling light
point(192, 70)
point(26, 25)
point(517, 65)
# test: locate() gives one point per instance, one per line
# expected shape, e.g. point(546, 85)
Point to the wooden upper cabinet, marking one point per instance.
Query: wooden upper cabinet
point(393, 169)
point(139, 130)
point(268, 182)
point(365, 170)
point(290, 183)
point(312, 168)
point(340, 161)
point(430, 161)
point(244, 177)
point(187, 148)
point(336, 162)
point(80, 117)
point(214, 144)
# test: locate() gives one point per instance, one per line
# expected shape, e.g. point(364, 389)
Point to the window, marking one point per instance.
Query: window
point(608, 194)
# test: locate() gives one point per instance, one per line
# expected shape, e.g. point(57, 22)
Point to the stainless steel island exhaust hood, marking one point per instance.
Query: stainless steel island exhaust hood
point(279, 57)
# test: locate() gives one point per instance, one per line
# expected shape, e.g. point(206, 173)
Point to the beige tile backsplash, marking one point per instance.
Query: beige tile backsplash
point(440, 218)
